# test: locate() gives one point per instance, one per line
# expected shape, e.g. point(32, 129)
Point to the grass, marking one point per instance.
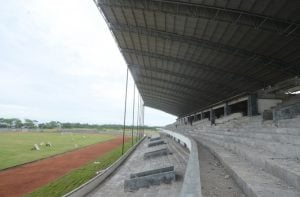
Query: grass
point(15, 147)
point(79, 176)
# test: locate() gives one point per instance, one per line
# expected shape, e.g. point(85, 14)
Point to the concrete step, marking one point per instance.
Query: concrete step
point(289, 123)
point(276, 148)
point(283, 168)
point(285, 131)
point(269, 137)
point(254, 181)
point(289, 131)
point(174, 146)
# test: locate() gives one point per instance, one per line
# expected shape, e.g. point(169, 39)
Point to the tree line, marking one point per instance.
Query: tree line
point(33, 124)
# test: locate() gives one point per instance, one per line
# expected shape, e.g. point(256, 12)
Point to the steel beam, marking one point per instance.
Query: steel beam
point(180, 85)
point(159, 99)
point(213, 13)
point(195, 65)
point(230, 50)
point(213, 84)
point(169, 93)
point(175, 109)
point(183, 92)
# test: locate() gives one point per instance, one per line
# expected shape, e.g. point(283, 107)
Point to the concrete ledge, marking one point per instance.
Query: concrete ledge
point(154, 138)
point(89, 186)
point(192, 185)
point(229, 118)
point(157, 153)
point(156, 143)
point(148, 180)
point(151, 172)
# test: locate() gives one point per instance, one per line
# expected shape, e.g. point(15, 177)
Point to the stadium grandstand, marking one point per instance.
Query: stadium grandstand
point(229, 70)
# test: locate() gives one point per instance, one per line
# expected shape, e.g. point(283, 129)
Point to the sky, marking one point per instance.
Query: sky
point(59, 61)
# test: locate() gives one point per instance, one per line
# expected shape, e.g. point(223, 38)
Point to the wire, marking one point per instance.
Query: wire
point(137, 118)
point(124, 125)
point(133, 115)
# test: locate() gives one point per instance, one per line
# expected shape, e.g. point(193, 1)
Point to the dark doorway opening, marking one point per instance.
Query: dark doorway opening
point(219, 112)
point(241, 107)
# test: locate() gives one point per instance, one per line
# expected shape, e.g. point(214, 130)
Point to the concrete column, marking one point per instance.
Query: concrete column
point(212, 116)
point(252, 105)
point(227, 109)
point(202, 115)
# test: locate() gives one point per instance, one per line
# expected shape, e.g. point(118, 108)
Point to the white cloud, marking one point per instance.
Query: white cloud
point(59, 61)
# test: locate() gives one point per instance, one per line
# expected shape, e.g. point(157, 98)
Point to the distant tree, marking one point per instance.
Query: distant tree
point(53, 124)
point(3, 123)
point(29, 124)
point(17, 123)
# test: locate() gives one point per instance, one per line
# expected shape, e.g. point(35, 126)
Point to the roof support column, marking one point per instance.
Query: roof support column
point(212, 116)
point(252, 105)
point(227, 109)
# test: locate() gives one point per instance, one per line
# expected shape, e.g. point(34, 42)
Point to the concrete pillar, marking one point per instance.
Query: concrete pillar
point(252, 105)
point(202, 115)
point(212, 116)
point(227, 109)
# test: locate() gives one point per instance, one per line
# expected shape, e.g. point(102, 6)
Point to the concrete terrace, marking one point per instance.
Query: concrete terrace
point(114, 185)
point(262, 157)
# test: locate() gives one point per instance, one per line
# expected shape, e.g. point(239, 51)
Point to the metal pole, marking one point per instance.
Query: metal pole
point(124, 123)
point(137, 118)
point(133, 115)
point(143, 116)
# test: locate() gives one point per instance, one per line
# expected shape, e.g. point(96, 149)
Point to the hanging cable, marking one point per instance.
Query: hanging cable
point(143, 114)
point(124, 124)
point(137, 118)
point(140, 118)
point(133, 114)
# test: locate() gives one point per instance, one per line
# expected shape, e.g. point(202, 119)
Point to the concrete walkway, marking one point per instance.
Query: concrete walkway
point(114, 185)
point(215, 180)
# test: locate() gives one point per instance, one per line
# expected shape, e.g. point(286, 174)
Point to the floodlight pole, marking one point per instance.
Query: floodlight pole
point(124, 123)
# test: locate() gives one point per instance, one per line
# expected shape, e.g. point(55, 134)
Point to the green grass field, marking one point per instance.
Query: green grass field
point(15, 147)
point(79, 176)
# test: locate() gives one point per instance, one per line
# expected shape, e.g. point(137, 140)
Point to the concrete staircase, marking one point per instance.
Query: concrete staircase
point(288, 109)
point(263, 159)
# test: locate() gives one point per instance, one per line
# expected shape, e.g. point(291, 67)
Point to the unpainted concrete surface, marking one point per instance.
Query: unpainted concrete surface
point(114, 185)
point(215, 180)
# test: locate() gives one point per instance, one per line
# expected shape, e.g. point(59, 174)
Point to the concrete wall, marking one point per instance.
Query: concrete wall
point(264, 104)
point(192, 184)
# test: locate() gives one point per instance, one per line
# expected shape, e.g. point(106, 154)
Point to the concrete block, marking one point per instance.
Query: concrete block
point(151, 172)
point(155, 143)
point(267, 115)
point(157, 153)
point(146, 179)
point(154, 139)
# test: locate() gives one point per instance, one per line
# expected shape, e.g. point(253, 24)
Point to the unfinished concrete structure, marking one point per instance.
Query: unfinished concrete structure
point(156, 176)
point(228, 70)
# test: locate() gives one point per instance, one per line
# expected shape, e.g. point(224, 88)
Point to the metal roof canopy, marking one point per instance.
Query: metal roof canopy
point(185, 55)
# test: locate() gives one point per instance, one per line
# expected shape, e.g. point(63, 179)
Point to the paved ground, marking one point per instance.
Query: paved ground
point(114, 186)
point(24, 179)
point(215, 181)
